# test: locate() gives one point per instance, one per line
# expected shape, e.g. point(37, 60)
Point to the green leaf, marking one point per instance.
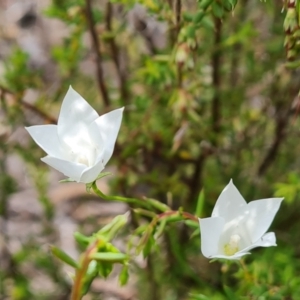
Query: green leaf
point(144, 239)
point(105, 268)
point(229, 293)
point(195, 233)
point(160, 228)
point(64, 257)
point(229, 4)
point(200, 204)
point(82, 239)
point(199, 297)
point(91, 274)
point(109, 256)
point(110, 230)
point(192, 224)
point(217, 10)
point(124, 275)
point(148, 246)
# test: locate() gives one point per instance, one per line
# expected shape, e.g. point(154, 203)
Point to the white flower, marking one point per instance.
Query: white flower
point(81, 143)
point(236, 227)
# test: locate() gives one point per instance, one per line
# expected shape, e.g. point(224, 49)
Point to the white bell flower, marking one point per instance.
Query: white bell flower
point(81, 143)
point(236, 227)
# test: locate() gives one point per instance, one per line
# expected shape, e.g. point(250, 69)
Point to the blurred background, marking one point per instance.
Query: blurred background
point(210, 90)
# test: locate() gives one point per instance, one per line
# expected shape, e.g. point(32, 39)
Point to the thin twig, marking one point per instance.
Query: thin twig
point(33, 108)
point(195, 183)
point(48, 118)
point(237, 47)
point(97, 50)
point(280, 131)
point(177, 14)
point(80, 273)
point(284, 110)
point(115, 52)
point(216, 66)
point(154, 286)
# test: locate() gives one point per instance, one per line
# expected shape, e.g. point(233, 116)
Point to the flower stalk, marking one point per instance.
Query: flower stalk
point(145, 202)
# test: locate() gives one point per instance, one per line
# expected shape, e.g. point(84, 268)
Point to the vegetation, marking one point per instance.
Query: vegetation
point(210, 90)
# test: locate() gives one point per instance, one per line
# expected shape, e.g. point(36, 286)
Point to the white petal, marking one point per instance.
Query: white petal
point(235, 256)
point(108, 126)
point(211, 229)
point(46, 137)
point(75, 112)
point(267, 240)
point(260, 214)
point(90, 174)
point(70, 169)
point(230, 203)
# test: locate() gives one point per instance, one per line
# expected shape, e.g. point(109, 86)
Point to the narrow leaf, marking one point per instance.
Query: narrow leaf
point(64, 256)
point(109, 256)
point(124, 275)
point(200, 204)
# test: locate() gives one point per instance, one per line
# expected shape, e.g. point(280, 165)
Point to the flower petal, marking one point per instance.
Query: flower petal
point(211, 229)
point(235, 256)
point(108, 127)
point(267, 240)
point(90, 174)
point(68, 168)
point(46, 137)
point(75, 114)
point(230, 203)
point(260, 214)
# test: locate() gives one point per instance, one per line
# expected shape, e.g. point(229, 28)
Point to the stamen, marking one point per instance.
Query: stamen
point(82, 159)
point(233, 246)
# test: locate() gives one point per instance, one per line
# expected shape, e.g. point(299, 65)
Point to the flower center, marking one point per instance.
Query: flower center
point(85, 156)
point(82, 159)
point(233, 245)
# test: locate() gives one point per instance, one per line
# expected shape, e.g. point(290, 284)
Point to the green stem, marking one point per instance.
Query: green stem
point(179, 213)
point(80, 273)
point(145, 202)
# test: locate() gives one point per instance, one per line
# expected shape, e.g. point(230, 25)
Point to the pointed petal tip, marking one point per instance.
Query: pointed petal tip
point(231, 183)
point(121, 109)
point(70, 89)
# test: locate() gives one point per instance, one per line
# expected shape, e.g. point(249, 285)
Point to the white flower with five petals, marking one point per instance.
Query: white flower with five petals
point(236, 227)
point(81, 143)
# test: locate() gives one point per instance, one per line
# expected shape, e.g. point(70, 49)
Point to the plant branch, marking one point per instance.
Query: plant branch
point(281, 124)
point(216, 66)
point(284, 110)
point(80, 273)
point(29, 106)
point(115, 52)
point(97, 50)
point(177, 15)
point(145, 202)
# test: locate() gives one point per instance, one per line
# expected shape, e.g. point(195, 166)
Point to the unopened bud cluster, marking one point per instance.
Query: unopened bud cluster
point(292, 30)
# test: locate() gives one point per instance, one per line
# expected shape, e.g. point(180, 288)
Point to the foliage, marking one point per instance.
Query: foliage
point(210, 90)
